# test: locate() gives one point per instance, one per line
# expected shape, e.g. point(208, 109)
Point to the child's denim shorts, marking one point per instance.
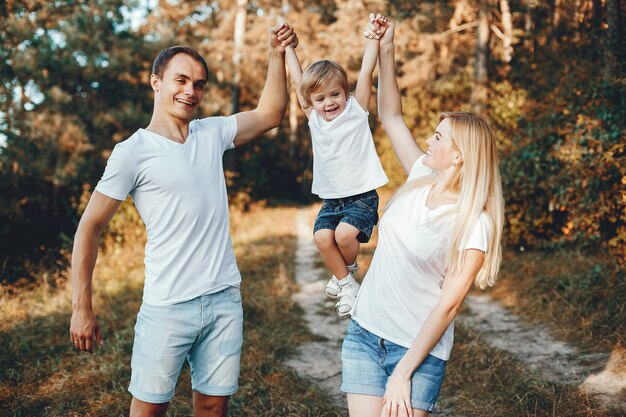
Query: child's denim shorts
point(206, 330)
point(368, 362)
point(360, 211)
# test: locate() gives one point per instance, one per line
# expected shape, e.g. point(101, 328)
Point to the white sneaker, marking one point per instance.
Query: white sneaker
point(347, 295)
point(333, 288)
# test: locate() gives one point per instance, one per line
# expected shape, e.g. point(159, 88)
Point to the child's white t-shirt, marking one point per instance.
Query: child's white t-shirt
point(180, 192)
point(345, 162)
point(402, 285)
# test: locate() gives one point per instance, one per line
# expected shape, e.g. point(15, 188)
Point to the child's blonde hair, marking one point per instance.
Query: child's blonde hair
point(319, 73)
point(477, 183)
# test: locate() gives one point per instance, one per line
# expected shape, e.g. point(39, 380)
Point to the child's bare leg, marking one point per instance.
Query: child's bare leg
point(333, 259)
point(346, 238)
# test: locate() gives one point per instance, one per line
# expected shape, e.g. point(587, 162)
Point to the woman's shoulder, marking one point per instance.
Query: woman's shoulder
point(419, 169)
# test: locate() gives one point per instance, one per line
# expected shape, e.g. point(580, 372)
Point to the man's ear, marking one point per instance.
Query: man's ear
point(154, 82)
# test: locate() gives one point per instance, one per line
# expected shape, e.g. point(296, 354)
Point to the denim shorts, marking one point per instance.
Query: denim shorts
point(368, 362)
point(207, 331)
point(360, 211)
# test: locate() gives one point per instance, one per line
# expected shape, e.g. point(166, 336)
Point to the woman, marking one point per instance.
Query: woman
point(439, 235)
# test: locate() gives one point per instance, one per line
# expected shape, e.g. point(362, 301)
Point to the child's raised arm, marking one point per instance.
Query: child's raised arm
point(295, 70)
point(363, 90)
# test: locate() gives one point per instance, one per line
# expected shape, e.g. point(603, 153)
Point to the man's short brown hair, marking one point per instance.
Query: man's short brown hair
point(160, 62)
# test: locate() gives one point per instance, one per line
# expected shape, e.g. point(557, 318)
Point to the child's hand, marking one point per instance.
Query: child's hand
point(376, 27)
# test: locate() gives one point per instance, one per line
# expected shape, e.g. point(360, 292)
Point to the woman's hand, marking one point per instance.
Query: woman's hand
point(397, 398)
point(374, 28)
point(386, 29)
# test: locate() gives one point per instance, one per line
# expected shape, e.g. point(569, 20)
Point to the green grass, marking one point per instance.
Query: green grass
point(482, 381)
point(42, 375)
point(582, 295)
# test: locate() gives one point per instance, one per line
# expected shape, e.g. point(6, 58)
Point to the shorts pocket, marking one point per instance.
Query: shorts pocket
point(368, 203)
point(234, 294)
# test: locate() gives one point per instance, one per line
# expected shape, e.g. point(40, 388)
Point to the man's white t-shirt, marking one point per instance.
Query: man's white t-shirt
point(345, 162)
point(180, 193)
point(402, 285)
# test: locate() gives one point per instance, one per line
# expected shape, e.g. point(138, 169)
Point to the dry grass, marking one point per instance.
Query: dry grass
point(41, 374)
point(482, 381)
point(581, 295)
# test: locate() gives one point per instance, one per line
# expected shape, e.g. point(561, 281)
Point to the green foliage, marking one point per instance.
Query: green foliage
point(564, 171)
point(75, 82)
point(69, 92)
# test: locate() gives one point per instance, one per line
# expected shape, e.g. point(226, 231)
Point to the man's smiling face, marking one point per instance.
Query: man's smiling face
point(180, 90)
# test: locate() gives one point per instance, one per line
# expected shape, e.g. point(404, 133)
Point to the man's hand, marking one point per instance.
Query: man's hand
point(83, 328)
point(282, 36)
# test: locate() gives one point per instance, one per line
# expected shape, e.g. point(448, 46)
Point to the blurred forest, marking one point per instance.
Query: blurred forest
point(549, 75)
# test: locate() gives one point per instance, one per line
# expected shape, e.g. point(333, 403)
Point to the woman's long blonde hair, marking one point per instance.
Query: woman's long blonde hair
point(476, 182)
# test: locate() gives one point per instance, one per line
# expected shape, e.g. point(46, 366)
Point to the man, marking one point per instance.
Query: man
point(173, 171)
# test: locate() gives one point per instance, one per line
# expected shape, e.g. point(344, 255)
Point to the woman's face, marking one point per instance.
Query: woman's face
point(441, 154)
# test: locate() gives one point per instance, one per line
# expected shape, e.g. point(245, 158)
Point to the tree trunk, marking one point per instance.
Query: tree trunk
point(293, 107)
point(556, 15)
point(230, 161)
point(507, 27)
point(479, 94)
point(240, 31)
point(579, 17)
point(615, 41)
point(529, 28)
point(597, 14)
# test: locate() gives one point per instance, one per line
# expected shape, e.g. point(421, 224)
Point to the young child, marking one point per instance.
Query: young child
point(346, 168)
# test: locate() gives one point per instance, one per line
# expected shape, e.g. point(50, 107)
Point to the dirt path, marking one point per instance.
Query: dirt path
point(603, 375)
point(319, 361)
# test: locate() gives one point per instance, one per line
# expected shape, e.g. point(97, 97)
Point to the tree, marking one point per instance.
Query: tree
point(615, 41)
point(69, 91)
point(481, 70)
point(507, 26)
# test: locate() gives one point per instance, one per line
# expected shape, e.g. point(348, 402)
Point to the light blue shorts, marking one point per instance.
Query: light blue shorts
point(368, 362)
point(207, 331)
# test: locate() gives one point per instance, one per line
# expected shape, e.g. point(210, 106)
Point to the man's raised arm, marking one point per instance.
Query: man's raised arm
point(273, 102)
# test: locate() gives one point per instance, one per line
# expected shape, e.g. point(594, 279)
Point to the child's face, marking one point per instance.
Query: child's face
point(329, 100)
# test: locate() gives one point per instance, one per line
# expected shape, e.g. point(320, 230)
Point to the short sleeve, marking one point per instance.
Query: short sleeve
point(357, 107)
point(479, 239)
point(224, 127)
point(419, 169)
point(229, 131)
point(120, 174)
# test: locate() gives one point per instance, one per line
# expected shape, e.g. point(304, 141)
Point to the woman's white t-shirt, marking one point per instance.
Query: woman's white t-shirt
point(345, 162)
point(402, 285)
